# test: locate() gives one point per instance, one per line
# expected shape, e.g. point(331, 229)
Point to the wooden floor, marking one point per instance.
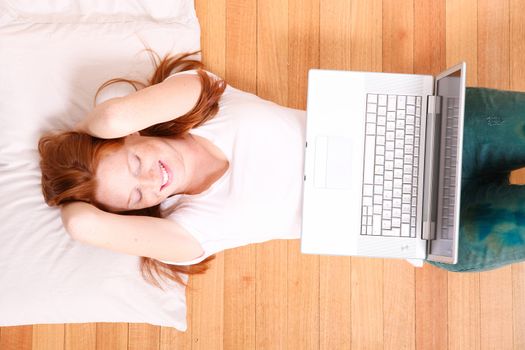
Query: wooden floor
point(269, 296)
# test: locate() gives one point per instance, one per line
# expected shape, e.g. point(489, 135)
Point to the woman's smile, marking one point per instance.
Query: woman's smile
point(167, 176)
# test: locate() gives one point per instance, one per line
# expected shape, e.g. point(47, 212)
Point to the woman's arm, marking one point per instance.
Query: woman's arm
point(155, 104)
point(157, 238)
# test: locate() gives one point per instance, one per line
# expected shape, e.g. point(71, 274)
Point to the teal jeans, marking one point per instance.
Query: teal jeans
point(492, 220)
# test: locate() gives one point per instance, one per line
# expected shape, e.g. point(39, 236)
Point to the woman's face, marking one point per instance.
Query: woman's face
point(140, 174)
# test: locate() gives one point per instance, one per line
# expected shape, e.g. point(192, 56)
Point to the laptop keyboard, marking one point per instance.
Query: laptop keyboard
point(448, 196)
point(390, 176)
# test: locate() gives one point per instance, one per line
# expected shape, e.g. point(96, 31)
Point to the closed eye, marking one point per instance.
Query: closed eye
point(138, 172)
point(138, 196)
point(138, 164)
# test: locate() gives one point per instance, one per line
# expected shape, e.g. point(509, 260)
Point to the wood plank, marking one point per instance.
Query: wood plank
point(463, 288)
point(16, 337)
point(493, 44)
point(464, 311)
point(239, 263)
point(303, 270)
point(112, 336)
point(81, 336)
point(272, 50)
point(496, 309)
point(367, 303)
point(517, 45)
point(399, 276)
point(431, 308)
point(462, 36)
point(208, 306)
point(143, 336)
point(239, 298)
point(48, 336)
point(366, 35)
point(241, 44)
point(171, 338)
point(366, 273)
point(335, 289)
point(431, 283)
point(517, 82)
point(303, 54)
point(335, 35)
point(212, 19)
point(271, 264)
point(303, 298)
point(493, 71)
point(271, 312)
point(430, 34)
point(399, 316)
point(398, 36)
point(335, 303)
point(208, 290)
point(518, 304)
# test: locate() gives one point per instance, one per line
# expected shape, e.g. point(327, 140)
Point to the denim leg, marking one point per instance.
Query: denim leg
point(492, 225)
point(492, 220)
point(494, 132)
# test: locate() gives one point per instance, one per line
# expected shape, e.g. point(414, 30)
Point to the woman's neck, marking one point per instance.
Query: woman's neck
point(209, 164)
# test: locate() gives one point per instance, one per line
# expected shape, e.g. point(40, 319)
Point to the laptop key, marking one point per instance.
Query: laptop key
point(405, 230)
point(376, 227)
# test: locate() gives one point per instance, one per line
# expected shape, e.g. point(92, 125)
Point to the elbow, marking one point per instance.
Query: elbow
point(73, 226)
point(108, 124)
point(77, 224)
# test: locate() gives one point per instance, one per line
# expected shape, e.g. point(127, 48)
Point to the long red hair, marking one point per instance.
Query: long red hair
point(69, 160)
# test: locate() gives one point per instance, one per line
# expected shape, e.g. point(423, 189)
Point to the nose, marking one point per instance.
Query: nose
point(150, 180)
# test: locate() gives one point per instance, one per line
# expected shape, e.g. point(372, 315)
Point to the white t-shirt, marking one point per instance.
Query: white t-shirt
point(259, 197)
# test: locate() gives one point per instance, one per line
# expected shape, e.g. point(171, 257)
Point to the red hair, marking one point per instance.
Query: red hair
point(69, 160)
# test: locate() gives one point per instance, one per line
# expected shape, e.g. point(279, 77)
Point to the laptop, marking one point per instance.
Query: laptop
point(382, 169)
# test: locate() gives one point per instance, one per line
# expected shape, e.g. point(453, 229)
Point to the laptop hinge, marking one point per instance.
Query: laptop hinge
point(431, 182)
point(434, 104)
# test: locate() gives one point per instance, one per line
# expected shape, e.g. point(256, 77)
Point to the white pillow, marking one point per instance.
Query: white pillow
point(75, 11)
point(54, 56)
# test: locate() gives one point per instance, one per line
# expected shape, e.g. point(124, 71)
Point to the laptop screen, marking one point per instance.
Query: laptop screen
point(449, 91)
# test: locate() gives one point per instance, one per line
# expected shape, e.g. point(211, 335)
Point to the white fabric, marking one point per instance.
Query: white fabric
point(259, 197)
point(54, 55)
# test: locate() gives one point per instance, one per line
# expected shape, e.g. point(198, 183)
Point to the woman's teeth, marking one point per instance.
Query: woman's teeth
point(165, 176)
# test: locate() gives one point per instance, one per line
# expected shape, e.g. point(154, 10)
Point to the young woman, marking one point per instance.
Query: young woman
point(195, 165)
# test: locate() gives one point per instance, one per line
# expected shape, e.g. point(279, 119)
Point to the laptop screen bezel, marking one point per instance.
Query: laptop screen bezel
point(436, 255)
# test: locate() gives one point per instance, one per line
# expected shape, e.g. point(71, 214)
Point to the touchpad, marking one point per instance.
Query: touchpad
point(333, 162)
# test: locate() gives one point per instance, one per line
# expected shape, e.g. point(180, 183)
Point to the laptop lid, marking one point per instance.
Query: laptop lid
point(445, 201)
